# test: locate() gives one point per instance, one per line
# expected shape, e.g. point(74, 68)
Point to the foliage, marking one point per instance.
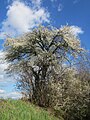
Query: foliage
point(37, 57)
point(71, 96)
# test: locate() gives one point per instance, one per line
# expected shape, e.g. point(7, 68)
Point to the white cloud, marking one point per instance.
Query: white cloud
point(53, 0)
point(60, 7)
point(27, 1)
point(37, 2)
point(76, 30)
point(2, 54)
point(22, 18)
point(3, 65)
point(2, 34)
point(6, 81)
point(2, 91)
point(13, 95)
point(76, 1)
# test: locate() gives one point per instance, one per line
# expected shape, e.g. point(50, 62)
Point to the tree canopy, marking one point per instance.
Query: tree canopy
point(41, 54)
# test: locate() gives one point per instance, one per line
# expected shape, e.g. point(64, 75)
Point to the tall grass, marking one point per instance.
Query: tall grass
point(20, 110)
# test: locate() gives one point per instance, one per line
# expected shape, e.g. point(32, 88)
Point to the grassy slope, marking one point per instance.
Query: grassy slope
point(20, 110)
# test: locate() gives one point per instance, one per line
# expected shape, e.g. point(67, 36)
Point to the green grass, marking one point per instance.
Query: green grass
point(20, 110)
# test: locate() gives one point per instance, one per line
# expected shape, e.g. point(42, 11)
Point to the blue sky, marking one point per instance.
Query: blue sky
point(20, 16)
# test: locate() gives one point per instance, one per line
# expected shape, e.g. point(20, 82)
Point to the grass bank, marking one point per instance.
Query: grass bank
point(21, 110)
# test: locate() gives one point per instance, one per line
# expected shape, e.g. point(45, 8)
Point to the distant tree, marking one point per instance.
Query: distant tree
point(39, 56)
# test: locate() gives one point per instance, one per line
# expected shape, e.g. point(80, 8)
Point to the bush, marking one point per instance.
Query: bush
point(70, 97)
